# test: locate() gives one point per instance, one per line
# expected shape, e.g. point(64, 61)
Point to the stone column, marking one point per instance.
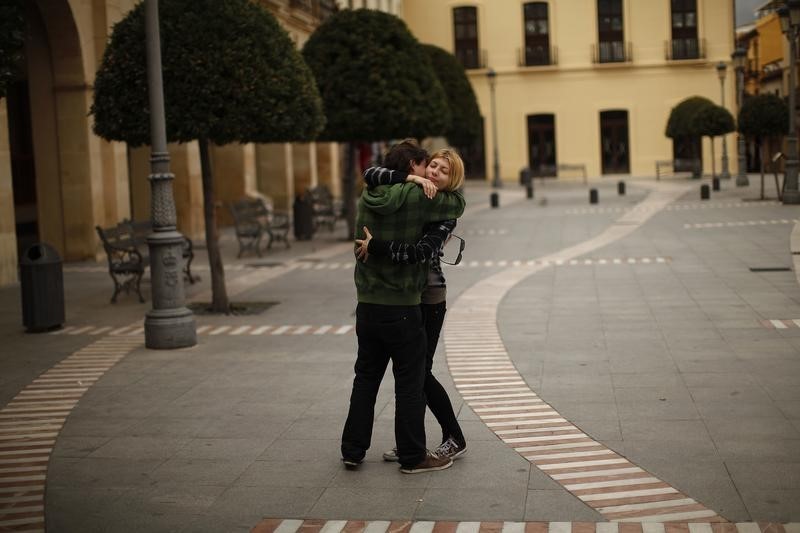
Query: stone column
point(275, 173)
point(8, 231)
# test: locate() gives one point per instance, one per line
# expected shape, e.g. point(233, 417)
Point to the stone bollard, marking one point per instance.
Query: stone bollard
point(529, 190)
point(705, 193)
point(494, 200)
point(621, 188)
point(592, 196)
point(715, 184)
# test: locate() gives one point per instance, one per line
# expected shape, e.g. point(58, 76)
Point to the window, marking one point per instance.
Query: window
point(537, 34)
point(465, 29)
point(610, 32)
point(684, 30)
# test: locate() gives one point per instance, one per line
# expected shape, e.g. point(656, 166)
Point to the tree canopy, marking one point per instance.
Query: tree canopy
point(12, 39)
point(681, 122)
point(712, 121)
point(375, 79)
point(465, 123)
point(231, 73)
point(764, 115)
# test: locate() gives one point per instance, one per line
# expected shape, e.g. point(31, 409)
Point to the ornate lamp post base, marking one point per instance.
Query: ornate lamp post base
point(169, 329)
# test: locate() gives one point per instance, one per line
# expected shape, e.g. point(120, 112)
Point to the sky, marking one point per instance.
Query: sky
point(744, 10)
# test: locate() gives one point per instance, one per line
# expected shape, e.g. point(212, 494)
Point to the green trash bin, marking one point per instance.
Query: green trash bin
point(41, 280)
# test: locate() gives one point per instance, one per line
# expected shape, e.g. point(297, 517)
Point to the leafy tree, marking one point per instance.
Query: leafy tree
point(231, 73)
point(12, 39)
point(465, 123)
point(376, 83)
point(764, 117)
point(713, 121)
point(681, 126)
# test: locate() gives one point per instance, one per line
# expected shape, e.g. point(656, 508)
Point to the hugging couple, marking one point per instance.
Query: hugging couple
point(410, 204)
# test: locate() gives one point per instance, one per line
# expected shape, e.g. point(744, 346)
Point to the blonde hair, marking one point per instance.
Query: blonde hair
point(456, 167)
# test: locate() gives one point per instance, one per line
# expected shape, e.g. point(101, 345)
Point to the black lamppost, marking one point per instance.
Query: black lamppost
point(169, 324)
point(790, 25)
point(739, 58)
point(491, 74)
point(721, 71)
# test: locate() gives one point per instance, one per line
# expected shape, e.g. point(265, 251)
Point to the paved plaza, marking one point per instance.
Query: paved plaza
point(634, 362)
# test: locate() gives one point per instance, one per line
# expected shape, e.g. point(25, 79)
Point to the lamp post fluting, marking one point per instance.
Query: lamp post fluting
point(169, 324)
point(790, 24)
point(739, 57)
point(491, 74)
point(721, 71)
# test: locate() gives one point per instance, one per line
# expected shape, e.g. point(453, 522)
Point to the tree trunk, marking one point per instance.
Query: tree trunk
point(348, 190)
point(219, 295)
point(713, 161)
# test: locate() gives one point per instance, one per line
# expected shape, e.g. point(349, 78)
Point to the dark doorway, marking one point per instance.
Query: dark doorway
point(687, 154)
point(474, 156)
point(23, 171)
point(542, 145)
point(614, 143)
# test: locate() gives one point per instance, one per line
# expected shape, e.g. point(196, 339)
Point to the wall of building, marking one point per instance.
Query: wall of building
point(576, 89)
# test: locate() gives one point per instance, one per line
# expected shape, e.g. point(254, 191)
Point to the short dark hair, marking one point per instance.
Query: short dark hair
point(401, 155)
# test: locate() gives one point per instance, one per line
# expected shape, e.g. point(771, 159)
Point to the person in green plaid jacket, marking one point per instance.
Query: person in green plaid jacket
point(388, 318)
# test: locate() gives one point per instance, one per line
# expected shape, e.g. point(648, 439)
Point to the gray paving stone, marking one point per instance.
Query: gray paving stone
point(765, 475)
point(299, 473)
point(471, 504)
point(756, 428)
point(774, 505)
point(201, 471)
point(140, 448)
point(77, 446)
point(224, 448)
point(370, 503)
point(557, 506)
point(638, 429)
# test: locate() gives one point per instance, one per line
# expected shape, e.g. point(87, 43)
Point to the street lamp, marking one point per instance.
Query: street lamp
point(169, 324)
point(790, 24)
point(491, 74)
point(739, 58)
point(721, 71)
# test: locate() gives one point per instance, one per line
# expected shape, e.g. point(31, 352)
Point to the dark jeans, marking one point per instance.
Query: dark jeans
point(388, 332)
point(436, 396)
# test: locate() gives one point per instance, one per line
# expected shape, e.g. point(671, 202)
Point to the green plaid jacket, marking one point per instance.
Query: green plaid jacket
point(398, 213)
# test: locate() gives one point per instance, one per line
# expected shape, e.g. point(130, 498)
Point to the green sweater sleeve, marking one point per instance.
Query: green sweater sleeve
point(443, 206)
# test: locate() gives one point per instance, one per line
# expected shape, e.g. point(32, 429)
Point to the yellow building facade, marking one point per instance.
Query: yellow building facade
point(58, 180)
point(583, 82)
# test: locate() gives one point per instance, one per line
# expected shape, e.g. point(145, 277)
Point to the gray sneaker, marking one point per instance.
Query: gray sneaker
point(431, 463)
point(450, 449)
point(391, 455)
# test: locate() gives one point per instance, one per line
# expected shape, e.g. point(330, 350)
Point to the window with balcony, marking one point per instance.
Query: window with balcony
point(537, 34)
point(685, 44)
point(610, 33)
point(465, 30)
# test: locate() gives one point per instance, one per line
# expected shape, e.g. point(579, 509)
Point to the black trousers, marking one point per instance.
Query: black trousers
point(436, 396)
point(388, 332)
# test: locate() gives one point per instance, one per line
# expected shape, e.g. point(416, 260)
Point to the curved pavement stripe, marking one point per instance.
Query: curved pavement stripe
point(278, 525)
point(488, 381)
point(31, 421)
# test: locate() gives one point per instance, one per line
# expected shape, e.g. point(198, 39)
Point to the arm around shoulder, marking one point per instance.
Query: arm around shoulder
point(446, 206)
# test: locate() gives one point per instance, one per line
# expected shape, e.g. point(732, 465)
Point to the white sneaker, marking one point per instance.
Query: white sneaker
point(391, 455)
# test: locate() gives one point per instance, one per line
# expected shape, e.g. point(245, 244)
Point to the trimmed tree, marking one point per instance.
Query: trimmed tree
point(231, 74)
point(12, 39)
point(465, 116)
point(764, 117)
point(681, 126)
point(713, 121)
point(376, 83)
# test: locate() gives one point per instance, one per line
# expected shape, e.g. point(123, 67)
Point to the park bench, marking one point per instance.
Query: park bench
point(677, 165)
point(573, 168)
point(129, 255)
point(325, 210)
point(254, 217)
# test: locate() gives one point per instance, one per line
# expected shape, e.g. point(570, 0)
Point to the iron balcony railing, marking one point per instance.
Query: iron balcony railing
point(680, 49)
point(612, 52)
point(537, 56)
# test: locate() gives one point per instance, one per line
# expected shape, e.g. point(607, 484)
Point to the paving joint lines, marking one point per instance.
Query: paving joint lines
point(740, 223)
point(32, 420)
point(492, 387)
